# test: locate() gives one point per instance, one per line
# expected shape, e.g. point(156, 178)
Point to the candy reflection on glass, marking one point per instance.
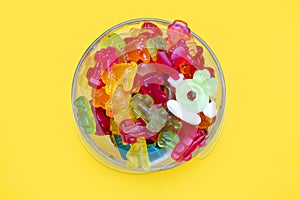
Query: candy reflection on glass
point(151, 93)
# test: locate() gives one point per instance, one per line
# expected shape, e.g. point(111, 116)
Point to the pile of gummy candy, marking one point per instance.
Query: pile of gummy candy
point(150, 91)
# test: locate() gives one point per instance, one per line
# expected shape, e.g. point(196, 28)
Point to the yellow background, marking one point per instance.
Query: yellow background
point(258, 154)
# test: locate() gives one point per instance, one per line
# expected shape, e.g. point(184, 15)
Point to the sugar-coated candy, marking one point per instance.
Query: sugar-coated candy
point(123, 148)
point(138, 155)
point(114, 40)
point(167, 139)
point(132, 129)
point(142, 107)
point(102, 121)
point(192, 139)
point(99, 97)
point(85, 115)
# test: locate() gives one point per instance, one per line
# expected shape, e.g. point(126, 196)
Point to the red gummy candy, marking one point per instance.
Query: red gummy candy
point(198, 58)
point(178, 30)
point(104, 58)
point(129, 39)
point(102, 121)
point(179, 54)
point(155, 91)
point(152, 27)
point(130, 129)
point(94, 77)
point(191, 138)
point(152, 77)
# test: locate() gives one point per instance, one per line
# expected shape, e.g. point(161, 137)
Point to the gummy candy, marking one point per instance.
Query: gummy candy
point(124, 71)
point(138, 155)
point(130, 130)
point(136, 50)
point(154, 44)
point(187, 145)
point(152, 27)
point(168, 139)
point(154, 90)
point(178, 30)
point(85, 115)
point(123, 148)
point(206, 122)
point(142, 106)
point(114, 40)
point(102, 121)
point(99, 97)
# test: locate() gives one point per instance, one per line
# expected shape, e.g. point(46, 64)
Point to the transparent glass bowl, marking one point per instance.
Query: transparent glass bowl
point(102, 147)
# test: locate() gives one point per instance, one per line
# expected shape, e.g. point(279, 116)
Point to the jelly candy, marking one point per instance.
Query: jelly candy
point(142, 106)
point(102, 121)
point(138, 155)
point(178, 30)
point(130, 130)
point(120, 104)
point(154, 44)
point(123, 148)
point(155, 153)
point(179, 54)
point(162, 58)
point(85, 115)
point(152, 27)
point(123, 73)
point(106, 58)
point(187, 145)
point(187, 70)
point(114, 128)
point(173, 124)
point(180, 112)
point(206, 122)
point(208, 84)
point(167, 139)
point(94, 77)
point(136, 50)
point(114, 40)
point(99, 97)
point(198, 58)
point(144, 69)
point(154, 90)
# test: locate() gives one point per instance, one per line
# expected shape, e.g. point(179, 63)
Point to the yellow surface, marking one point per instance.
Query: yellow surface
point(258, 155)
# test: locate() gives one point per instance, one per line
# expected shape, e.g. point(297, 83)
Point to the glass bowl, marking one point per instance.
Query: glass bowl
point(105, 137)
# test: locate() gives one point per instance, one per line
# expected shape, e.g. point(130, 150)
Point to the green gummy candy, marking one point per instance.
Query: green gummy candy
point(167, 139)
point(85, 115)
point(114, 40)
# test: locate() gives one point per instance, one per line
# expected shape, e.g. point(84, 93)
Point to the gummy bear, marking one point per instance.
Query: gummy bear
point(179, 54)
point(154, 44)
point(120, 104)
point(114, 40)
point(99, 97)
point(123, 148)
point(142, 107)
point(192, 138)
point(154, 90)
point(105, 58)
point(85, 115)
point(138, 155)
point(178, 30)
point(136, 50)
point(124, 71)
point(130, 130)
point(102, 121)
point(167, 139)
